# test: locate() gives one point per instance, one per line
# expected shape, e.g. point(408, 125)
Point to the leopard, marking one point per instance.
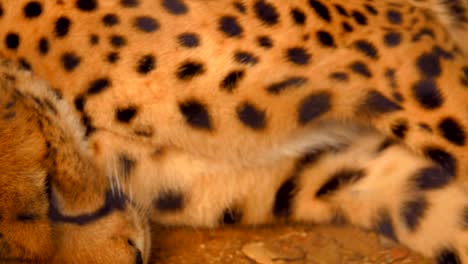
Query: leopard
point(117, 114)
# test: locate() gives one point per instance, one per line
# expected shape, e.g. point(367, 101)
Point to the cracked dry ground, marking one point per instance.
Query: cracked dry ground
point(299, 244)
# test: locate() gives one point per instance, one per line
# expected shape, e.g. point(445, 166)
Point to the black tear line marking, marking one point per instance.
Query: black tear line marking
point(339, 180)
point(112, 202)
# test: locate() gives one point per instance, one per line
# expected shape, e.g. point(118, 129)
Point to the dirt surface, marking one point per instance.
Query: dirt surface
point(277, 245)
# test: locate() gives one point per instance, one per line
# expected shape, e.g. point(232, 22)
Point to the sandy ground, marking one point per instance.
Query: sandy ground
point(276, 245)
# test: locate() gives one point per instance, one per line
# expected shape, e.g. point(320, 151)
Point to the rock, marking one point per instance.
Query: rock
point(260, 254)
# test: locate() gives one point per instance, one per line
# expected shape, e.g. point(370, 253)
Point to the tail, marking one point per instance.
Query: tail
point(380, 185)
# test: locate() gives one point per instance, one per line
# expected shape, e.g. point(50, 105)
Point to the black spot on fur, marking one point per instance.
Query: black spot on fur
point(43, 46)
point(195, 114)
point(251, 116)
point(117, 41)
point(79, 103)
point(279, 87)
point(298, 16)
point(376, 104)
point(366, 48)
point(400, 128)
point(240, 7)
point(129, 3)
point(70, 61)
point(265, 42)
point(126, 115)
point(452, 131)
point(244, 57)
point(169, 201)
point(371, 9)
point(325, 38)
point(341, 10)
point(338, 180)
point(146, 24)
point(360, 68)
point(62, 26)
point(457, 10)
point(98, 86)
point(12, 41)
point(24, 64)
point(189, 69)
point(385, 144)
point(427, 94)
point(339, 76)
point(391, 76)
point(87, 122)
point(443, 158)
point(127, 165)
point(284, 197)
point(175, 7)
point(112, 57)
point(447, 256)
point(429, 65)
point(86, 5)
point(359, 17)
point(313, 106)
point(229, 26)
point(394, 17)
point(93, 39)
point(146, 64)
point(298, 56)
point(384, 225)
point(189, 40)
point(266, 12)
point(413, 211)
point(231, 216)
point(441, 53)
point(311, 157)
point(110, 20)
point(347, 27)
point(392, 39)
point(423, 32)
point(230, 82)
point(432, 177)
point(398, 96)
point(321, 10)
point(32, 9)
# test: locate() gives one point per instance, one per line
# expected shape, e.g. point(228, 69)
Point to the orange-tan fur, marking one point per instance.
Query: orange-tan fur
point(198, 165)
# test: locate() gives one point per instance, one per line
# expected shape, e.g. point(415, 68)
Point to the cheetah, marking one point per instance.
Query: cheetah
point(115, 113)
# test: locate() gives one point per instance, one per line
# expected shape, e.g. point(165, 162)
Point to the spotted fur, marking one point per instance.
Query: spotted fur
point(230, 112)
